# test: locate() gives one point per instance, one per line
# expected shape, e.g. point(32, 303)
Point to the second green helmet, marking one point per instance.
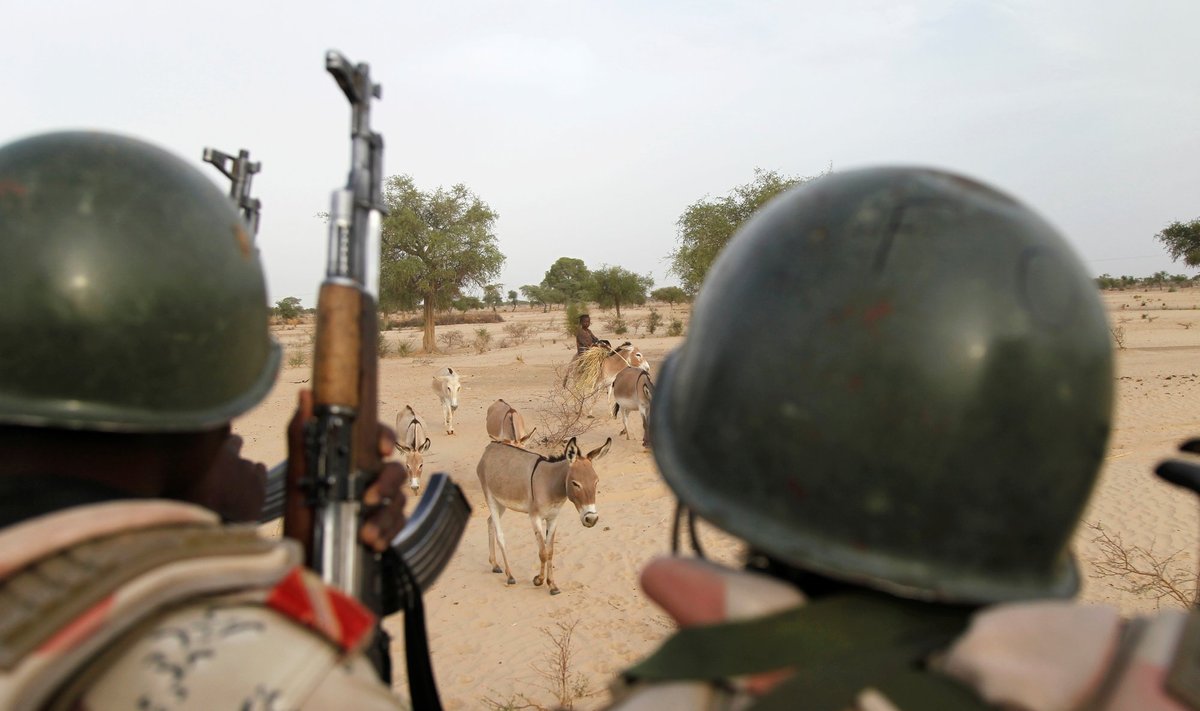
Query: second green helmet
point(900, 378)
point(133, 298)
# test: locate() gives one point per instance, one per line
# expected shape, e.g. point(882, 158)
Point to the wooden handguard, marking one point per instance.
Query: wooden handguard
point(337, 361)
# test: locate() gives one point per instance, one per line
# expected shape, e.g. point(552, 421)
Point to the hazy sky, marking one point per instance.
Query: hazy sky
point(591, 126)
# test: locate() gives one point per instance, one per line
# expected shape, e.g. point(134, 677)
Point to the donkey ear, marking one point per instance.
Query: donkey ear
point(425, 447)
point(600, 451)
point(400, 446)
point(572, 451)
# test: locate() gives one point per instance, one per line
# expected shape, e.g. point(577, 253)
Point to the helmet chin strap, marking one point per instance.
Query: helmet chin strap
point(681, 512)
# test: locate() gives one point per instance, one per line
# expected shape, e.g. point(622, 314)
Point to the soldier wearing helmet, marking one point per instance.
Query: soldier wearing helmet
point(134, 330)
point(906, 464)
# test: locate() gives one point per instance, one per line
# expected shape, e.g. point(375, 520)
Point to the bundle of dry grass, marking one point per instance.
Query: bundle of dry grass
point(583, 372)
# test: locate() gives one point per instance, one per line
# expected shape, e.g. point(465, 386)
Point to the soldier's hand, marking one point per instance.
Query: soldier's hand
point(233, 487)
point(696, 592)
point(383, 501)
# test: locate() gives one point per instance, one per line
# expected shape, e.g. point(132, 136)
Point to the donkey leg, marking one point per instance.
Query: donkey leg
point(548, 563)
point(494, 522)
point(539, 534)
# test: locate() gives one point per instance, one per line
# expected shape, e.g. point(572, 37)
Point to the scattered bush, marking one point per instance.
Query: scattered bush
point(518, 332)
point(449, 319)
point(654, 321)
point(483, 339)
point(297, 359)
point(676, 328)
point(404, 348)
point(382, 347)
point(451, 339)
point(1118, 334)
point(616, 324)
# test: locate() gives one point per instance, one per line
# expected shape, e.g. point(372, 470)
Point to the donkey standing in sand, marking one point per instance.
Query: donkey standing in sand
point(517, 479)
point(411, 439)
point(446, 384)
point(505, 424)
point(632, 391)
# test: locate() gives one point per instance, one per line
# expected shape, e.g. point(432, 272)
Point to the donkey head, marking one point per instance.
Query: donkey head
point(582, 480)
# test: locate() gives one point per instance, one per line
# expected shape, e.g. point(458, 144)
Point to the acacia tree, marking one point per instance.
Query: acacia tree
point(491, 295)
point(612, 286)
point(1182, 240)
point(512, 299)
point(707, 224)
point(534, 295)
point(670, 294)
point(566, 281)
point(434, 244)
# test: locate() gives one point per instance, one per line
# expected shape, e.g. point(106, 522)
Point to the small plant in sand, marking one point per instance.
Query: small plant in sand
point(483, 339)
point(653, 321)
point(298, 359)
point(518, 332)
point(1142, 572)
point(676, 328)
point(382, 347)
point(404, 348)
point(636, 325)
point(564, 684)
point(1118, 334)
point(451, 339)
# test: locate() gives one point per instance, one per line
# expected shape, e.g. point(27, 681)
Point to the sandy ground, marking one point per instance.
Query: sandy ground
point(495, 646)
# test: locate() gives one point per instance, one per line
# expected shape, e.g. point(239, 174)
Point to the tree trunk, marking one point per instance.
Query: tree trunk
point(618, 300)
point(429, 344)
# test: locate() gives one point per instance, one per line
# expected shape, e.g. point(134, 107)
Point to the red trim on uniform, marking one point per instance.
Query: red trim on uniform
point(78, 629)
point(292, 597)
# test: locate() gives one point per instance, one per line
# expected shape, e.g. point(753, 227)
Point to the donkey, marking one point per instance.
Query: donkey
point(446, 384)
point(622, 357)
point(505, 424)
point(517, 479)
point(632, 390)
point(411, 439)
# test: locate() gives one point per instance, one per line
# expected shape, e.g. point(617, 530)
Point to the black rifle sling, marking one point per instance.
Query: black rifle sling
point(422, 688)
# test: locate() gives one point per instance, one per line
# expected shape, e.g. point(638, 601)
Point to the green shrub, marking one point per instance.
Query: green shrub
point(654, 321)
point(298, 359)
point(382, 347)
point(483, 338)
point(676, 328)
point(404, 348)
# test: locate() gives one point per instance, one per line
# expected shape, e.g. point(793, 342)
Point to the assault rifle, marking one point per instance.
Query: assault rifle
point(323, 509)
point(240, 171)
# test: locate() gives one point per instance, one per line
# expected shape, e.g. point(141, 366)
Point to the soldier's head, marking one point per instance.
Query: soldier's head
point(896, 378)
point(133, 297)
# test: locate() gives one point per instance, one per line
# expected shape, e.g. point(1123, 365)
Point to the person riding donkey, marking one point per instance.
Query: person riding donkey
point(135, 329)
point(907, 464)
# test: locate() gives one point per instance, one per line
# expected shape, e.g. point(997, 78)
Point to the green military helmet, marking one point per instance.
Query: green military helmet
point(132, 297)
point(899, 378)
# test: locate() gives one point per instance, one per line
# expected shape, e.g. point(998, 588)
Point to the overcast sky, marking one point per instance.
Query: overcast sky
point(590, 126)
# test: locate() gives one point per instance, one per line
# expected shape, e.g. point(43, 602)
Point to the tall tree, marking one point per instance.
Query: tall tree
point(533, 294)
point(613, 286)
point(491, 295)
point(512, 299)
point(707, 224)
point(434, 244)
point(670, 294)
point(566, 281)
point(1182, 240)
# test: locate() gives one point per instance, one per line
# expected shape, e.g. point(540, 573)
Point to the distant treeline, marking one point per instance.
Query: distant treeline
point(1158, 280)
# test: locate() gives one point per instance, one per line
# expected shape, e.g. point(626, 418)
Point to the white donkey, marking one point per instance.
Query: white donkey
point(446, 384)
point(411, 439)
point(517, 479)
point(505, 424)
point(632, 391)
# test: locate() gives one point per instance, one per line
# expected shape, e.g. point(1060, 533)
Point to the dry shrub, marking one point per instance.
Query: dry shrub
point(298, 359)
point(564, 684)
point(1133, 569)
point(1118, 334)
point(483, 339)
point(518, 332)
point(451, 339)
point(563, 412)
point(449, 319)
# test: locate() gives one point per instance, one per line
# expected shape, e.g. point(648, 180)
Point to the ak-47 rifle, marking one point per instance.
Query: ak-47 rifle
point(323, 510)
point(240, 171)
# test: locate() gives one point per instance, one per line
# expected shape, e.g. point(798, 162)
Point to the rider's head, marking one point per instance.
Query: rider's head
point(134, 300)
point(929, 416)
